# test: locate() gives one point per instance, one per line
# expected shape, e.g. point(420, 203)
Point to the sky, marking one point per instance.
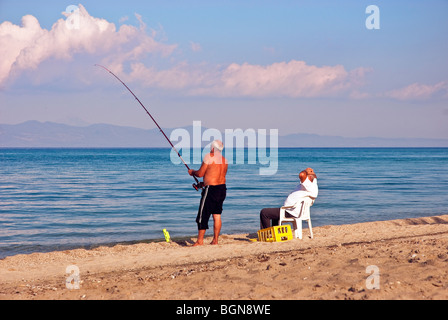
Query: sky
point(318, 67)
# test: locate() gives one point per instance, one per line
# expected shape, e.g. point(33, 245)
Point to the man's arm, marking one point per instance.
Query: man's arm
point(199, 173)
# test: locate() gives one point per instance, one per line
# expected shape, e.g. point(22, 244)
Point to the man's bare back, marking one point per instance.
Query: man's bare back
point(213, 169)
point(216, 169)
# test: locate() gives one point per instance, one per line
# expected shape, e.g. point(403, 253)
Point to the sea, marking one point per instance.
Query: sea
point(59, 199)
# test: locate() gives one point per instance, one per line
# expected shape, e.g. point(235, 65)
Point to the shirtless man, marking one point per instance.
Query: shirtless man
point(213, 169)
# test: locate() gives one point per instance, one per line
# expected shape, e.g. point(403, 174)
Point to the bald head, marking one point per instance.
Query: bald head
point(307, 173)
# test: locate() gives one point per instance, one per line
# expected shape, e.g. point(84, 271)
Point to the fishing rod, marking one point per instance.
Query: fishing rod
point(198, 185)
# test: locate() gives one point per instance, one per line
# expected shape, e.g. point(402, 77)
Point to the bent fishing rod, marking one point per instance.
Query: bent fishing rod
point(198, 185)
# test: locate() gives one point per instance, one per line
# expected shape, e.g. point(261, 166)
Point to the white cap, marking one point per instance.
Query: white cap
point(217, 145)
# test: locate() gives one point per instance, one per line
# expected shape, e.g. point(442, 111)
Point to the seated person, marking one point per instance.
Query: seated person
point(307, 187)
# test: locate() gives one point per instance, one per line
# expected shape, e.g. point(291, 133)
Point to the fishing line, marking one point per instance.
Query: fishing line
point(196, 185)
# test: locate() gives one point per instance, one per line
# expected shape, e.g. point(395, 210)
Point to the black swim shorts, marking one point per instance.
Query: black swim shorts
point(212, 198)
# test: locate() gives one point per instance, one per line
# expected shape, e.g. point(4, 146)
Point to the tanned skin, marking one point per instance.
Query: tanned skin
point(213, 169)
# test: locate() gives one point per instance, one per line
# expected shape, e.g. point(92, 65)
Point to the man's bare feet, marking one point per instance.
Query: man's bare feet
point(200, 240)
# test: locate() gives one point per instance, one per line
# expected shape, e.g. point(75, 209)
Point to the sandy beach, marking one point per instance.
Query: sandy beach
point(397, 259)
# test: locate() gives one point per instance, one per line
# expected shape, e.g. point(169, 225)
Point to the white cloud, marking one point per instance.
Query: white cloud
point(418, 91)
point(123, 19)
point(195, 47)
point(292, 79)
point(181, 76)
point(27, 46)
point(289, 79)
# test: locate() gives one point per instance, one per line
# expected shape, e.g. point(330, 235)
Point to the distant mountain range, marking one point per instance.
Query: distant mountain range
point(35, 134)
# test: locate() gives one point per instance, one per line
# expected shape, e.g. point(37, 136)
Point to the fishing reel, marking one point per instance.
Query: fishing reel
point(198, 185)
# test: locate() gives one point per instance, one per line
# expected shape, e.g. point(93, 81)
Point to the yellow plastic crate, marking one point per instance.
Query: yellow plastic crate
point(275, 234)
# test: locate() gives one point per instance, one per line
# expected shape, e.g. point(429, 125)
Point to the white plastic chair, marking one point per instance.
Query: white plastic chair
point(304, 204)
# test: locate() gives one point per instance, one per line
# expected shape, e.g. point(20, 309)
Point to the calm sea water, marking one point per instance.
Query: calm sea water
point(55, 199)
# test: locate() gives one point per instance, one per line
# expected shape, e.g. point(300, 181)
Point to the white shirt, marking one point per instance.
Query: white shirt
point(304, 189)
